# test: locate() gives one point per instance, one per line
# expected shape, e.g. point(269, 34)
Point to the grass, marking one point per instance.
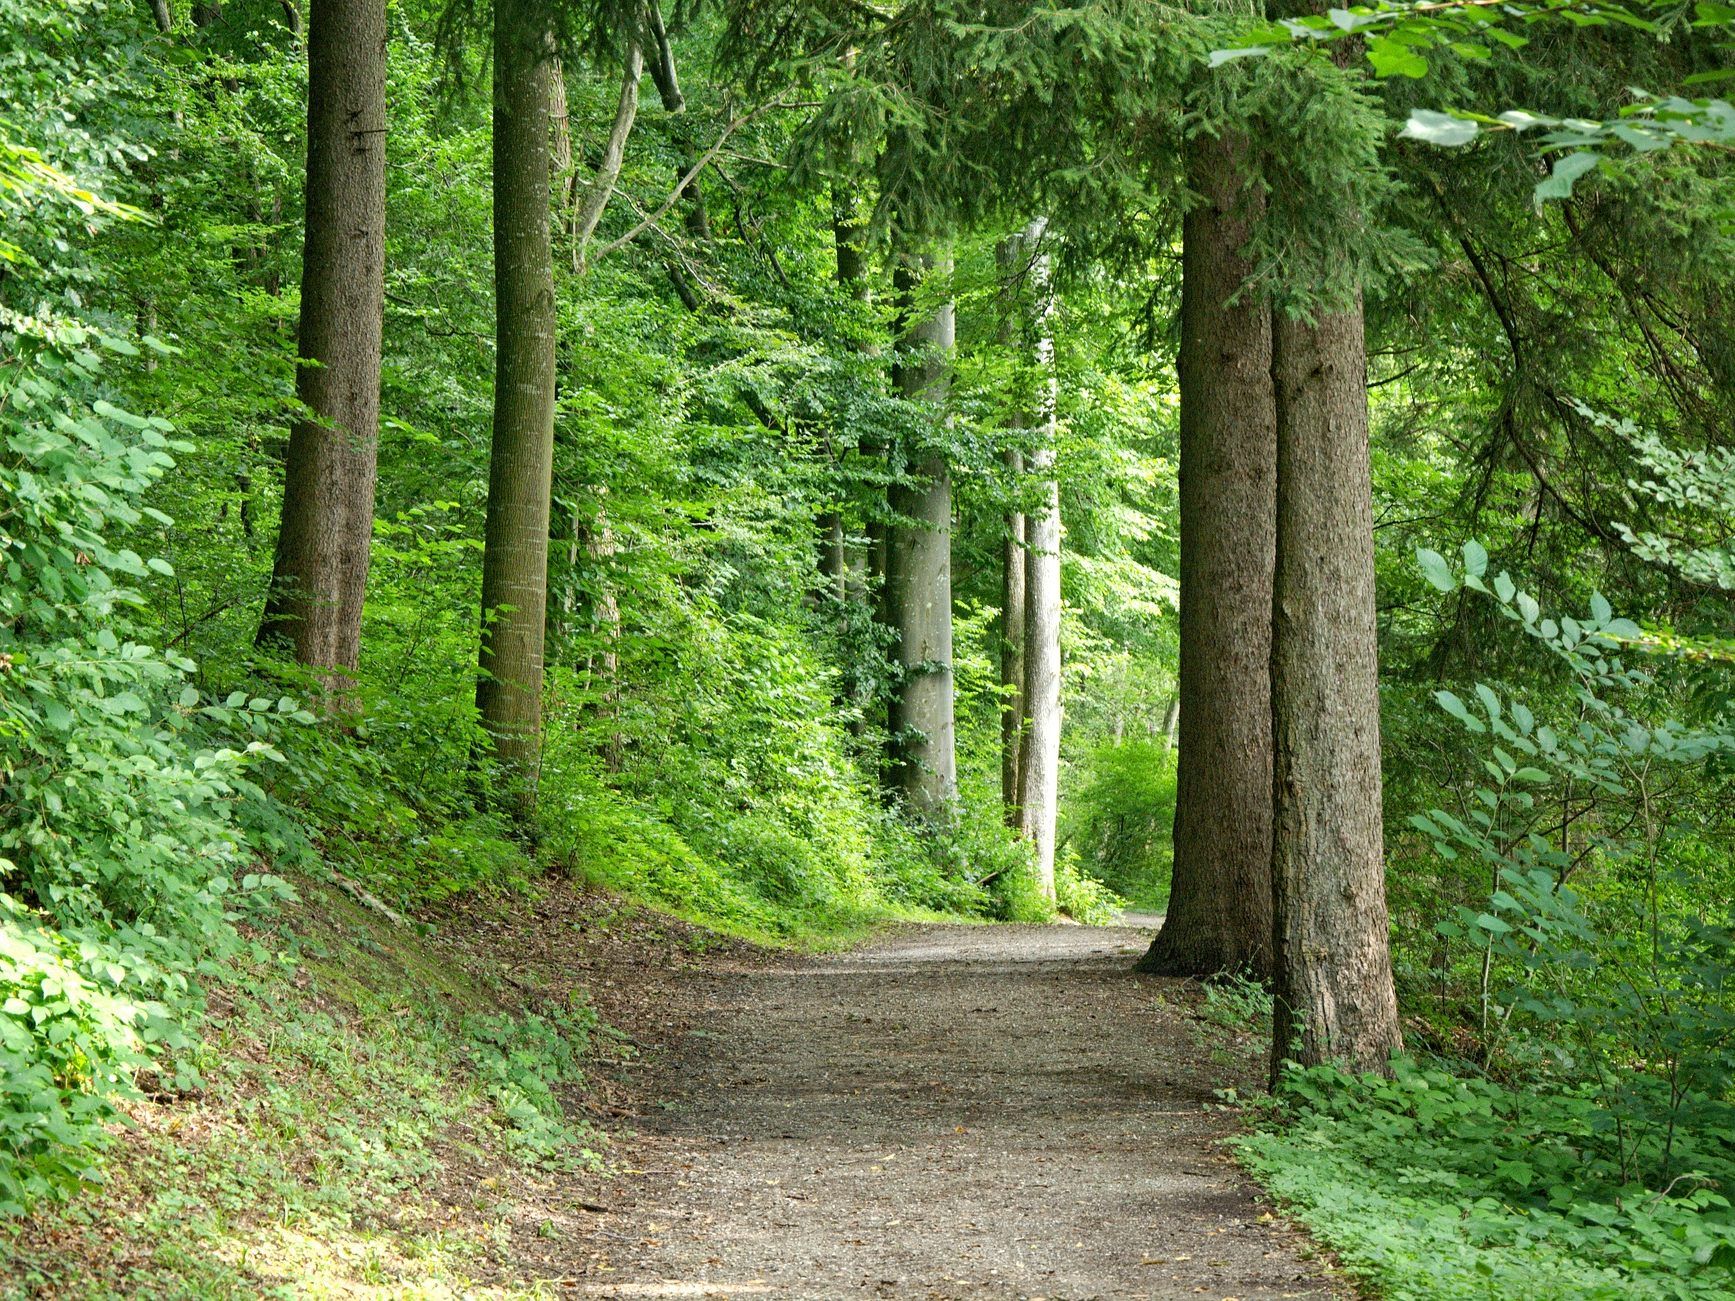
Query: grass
point(373, 1116)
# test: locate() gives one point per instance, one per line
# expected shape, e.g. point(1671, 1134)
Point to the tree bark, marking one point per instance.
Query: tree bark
point(319, 575)
point(515, 543)
point(918, 584)
point(697, 221)
point(1334, 999)
point(1013, 714)
point(1219, 913)
point(1039, 756)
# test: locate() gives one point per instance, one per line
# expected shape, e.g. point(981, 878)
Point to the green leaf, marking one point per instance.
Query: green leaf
point(1435, 569)
point(1567, 170)
point(1443, 129)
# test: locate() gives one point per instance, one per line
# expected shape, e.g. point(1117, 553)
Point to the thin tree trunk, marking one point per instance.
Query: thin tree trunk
point(918, 585)
point(1013, 713)
point(164, 16)
point(1334, 996)
point(319, 575)
point(1039, 756)
point(515, 545)
point(1219, 913)
point(668, 85)
point(1171, 723)
point(587, 212)
point(847, 235)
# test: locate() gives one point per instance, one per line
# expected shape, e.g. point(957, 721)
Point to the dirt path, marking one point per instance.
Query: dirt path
point(949, 1112)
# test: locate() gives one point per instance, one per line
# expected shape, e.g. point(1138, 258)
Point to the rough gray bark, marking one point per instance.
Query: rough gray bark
point(1334, 999)
point(515, 542)
point(1219, 914)
point(1039, 756)
point(319, 574)
point(164, 16)
point(918, 583)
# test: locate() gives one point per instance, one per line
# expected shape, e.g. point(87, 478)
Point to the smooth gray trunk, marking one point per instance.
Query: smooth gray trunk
point(918, 583)
point(1039, 758)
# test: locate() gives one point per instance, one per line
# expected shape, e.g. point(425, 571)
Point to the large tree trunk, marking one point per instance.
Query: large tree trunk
point(1219, 914)
point(515, 546)
point(1334, 998)
point(319, 576)
point(1039, 756)
point(918, 584)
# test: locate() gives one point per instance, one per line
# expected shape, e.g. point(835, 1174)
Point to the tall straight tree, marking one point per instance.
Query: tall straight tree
point(1219, 914)
point(1334, 999)
point(520, 465)
point(1013, 714)
point(319, 574)
point(917, 596)
point(1039, 756)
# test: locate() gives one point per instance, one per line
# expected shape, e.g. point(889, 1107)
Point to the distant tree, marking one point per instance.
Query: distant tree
point(918, 582)
point(1039, 756)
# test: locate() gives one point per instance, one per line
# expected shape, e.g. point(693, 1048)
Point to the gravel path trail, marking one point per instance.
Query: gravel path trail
point(949, 1112)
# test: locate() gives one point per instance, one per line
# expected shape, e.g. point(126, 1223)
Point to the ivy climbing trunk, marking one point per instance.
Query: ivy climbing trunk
point(515, 540)
point(918, 581)
point(1334, 999)
point(1219, 912)
point(319, 573)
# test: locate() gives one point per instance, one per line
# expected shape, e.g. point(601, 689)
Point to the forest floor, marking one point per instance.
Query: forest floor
point(949, 1111)
point(943, 1111)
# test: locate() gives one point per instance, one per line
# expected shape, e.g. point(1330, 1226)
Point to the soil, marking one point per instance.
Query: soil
point(947, 1112)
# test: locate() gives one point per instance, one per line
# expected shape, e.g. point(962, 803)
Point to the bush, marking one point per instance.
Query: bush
point(1119, 819)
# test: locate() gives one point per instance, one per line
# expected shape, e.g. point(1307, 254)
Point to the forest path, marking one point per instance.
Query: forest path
point(948, 1111)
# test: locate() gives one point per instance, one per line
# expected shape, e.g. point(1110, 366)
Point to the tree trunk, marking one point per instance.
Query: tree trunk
point(1013, 713)
point(847, 237)
point(1039, 756)
point(918, 584)
point(695, 218)
point(1039, 787)
point(164, 16)
point(515, 544)
point(319, 575)
point(1171, 723)
point(1334, 997)
point(1219, 914)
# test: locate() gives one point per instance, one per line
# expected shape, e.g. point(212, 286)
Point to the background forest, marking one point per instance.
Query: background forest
point(807, 265)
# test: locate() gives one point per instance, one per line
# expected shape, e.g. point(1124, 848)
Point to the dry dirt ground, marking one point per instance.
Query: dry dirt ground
point(947, 1112)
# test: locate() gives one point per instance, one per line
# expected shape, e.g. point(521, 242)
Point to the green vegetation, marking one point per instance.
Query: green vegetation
point(797, 466)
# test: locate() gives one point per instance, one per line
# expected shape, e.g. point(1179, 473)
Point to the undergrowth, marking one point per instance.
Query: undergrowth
point(1430, 1185)
point(365, 1114)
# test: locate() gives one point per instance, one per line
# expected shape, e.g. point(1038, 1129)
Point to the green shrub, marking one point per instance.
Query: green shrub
point(1118, 817)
